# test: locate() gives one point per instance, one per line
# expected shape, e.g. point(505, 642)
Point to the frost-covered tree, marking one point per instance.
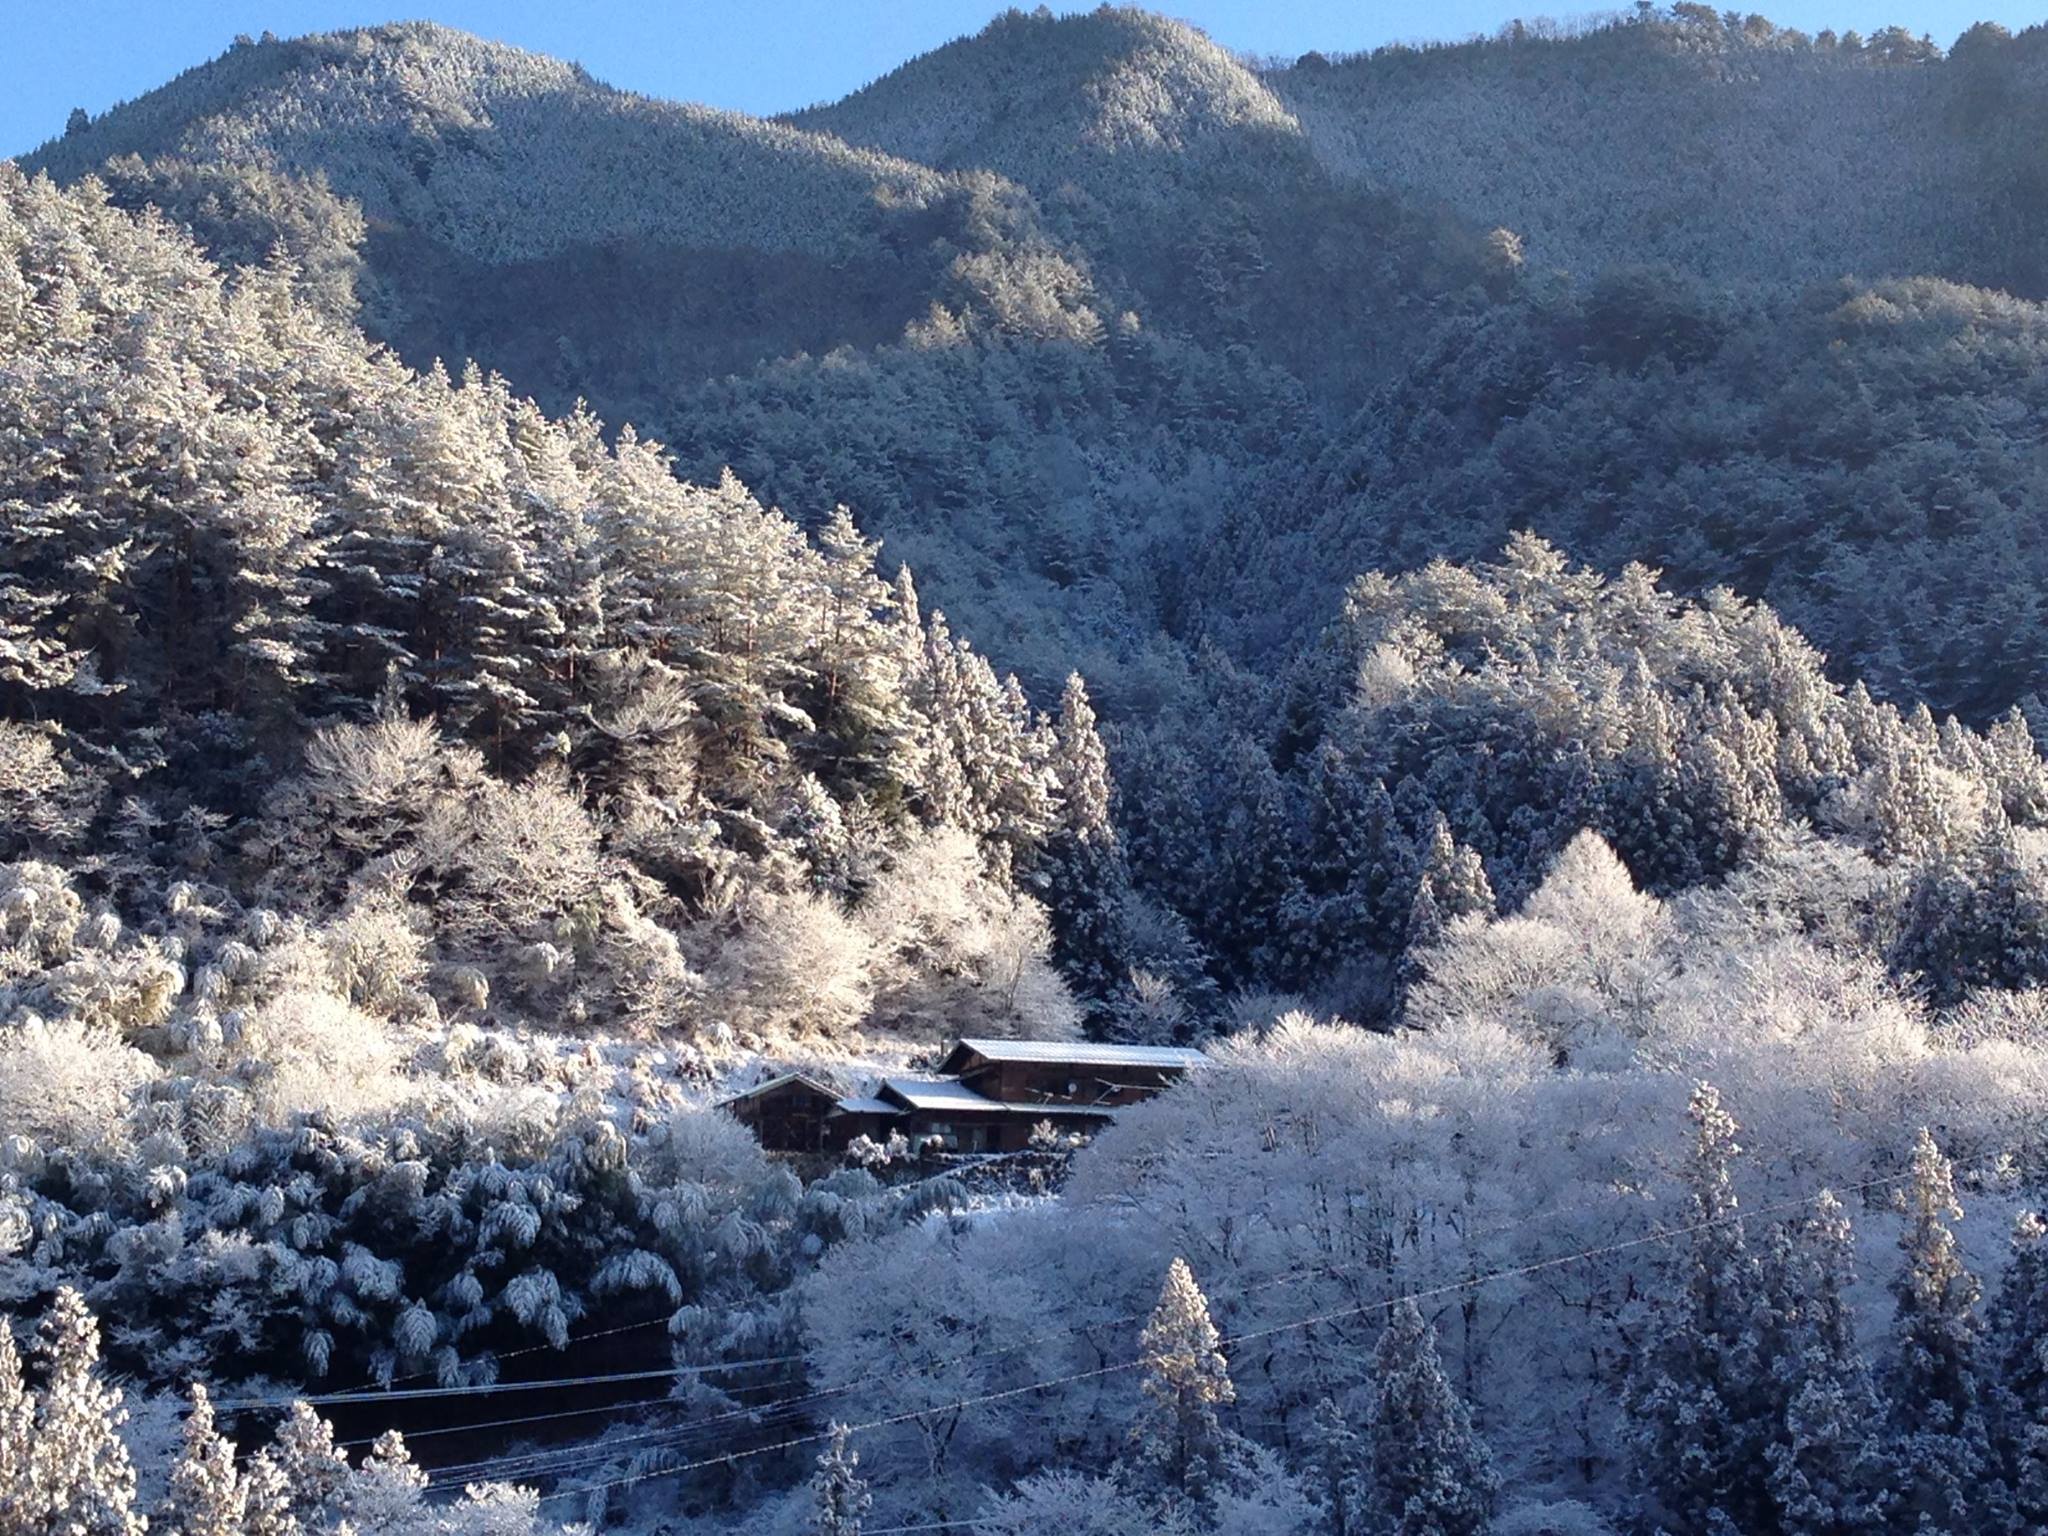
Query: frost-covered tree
point(207, 1496)
point(17, 1435)
point(310, 1466)
point(2018, 1330)
point(1701, 1407)
point(1338, 1470)
point(1830, 1470)
point(81, 1481)
point(1178, 1437)
point(1948, 1478)
point(387, 1491)
point(1430, 1474)
point(839, 1492)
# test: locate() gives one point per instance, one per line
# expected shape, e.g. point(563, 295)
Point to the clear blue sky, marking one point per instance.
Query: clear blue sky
point(760, 56)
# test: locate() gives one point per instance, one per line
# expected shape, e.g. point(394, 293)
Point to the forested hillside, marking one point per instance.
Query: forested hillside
point(1492, 588)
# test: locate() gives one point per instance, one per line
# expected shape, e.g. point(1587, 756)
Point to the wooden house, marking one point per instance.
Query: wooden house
point(1067, 1071)
point(789, 1113)
point(990, 1097)
point(963, 1120)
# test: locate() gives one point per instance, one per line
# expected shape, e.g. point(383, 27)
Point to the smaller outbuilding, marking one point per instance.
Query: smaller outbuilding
point(790, 1113)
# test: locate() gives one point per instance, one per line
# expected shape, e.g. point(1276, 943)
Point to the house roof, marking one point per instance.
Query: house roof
point(860, 1106)
point(1076, 1053)
point(936, 1093)
point(773, 1083)
point(940, 1094)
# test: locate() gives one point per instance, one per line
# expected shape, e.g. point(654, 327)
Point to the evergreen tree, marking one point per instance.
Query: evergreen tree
point(82, 1482)
point(17, 1434)
point(267, 1499)
point(1947, 1479)
point(1179, 1436)
point(207, 1496)
point(1431, 1474)
point(841, 1495)
point(1830, 1474)
point(864, 730)
point(1701, 1405)
point(387, 1491)
point(1338, 1470)
point(312, 1467)
point(1455, 875)
point(2018, 1350)
point(1082, 874)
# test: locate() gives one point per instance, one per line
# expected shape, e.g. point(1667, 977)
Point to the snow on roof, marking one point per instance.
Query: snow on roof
point(860, 1106)
point(1083, 1053)
point(775, 1082)
point(937, 1093)
point(949, 1093)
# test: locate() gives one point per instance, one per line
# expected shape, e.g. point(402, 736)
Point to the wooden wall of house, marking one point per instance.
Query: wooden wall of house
point(790, 1118)
point(1031, 1082)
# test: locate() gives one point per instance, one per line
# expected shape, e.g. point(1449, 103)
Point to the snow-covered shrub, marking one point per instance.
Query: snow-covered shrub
point(308, 1050)
point(1078, 1504)
point(965, 955)
point(376, 952)
point(68, 1085)
point(798, 965)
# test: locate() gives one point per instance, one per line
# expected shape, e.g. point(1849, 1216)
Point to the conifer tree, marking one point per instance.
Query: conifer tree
point(1338, 1471)
point(1083, 874)
point(1700, 1408)
point(1431, 1474)
point(312, 1467)
point(1455, 875)
point(17, 1431)
point(267, 1499)
point(82, 1481)
point(1947, 1480)
point(2018, 1347)
point(840, 1493)
point(387, 1490)
point(206, 1496)
point(1830, 1474)
point(1186, 1381)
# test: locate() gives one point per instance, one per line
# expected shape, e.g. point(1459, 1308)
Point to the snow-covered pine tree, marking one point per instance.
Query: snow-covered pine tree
point(1701, 1411)
point(267, 1499)
point(1338, 1470)
point(2018, 1350)
point(1082, 874)
point(840, 1493)
point(1178, 1436)
point(864, 727)
point(1429, 1472)
point(1830, 1474)
point(17, 1431)
point(1455, 875)
point(206, 1496)
point(313, 1469)
point(82, 1482)
point(1948, 1481)
point(387, 1491)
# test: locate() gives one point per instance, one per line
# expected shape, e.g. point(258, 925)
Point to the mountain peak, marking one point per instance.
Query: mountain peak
point(1030, 90)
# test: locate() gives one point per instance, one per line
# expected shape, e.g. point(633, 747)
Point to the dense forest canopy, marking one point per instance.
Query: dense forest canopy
point(1493, 588)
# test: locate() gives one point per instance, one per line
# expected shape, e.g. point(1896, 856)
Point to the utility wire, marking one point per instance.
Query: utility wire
point(1604, 1250)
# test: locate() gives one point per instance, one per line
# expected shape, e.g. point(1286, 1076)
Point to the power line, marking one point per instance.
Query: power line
point(562, 1456)
point(1662, 1235)
point(562, 1459)
point(485, 1389)
point(558, 1413)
